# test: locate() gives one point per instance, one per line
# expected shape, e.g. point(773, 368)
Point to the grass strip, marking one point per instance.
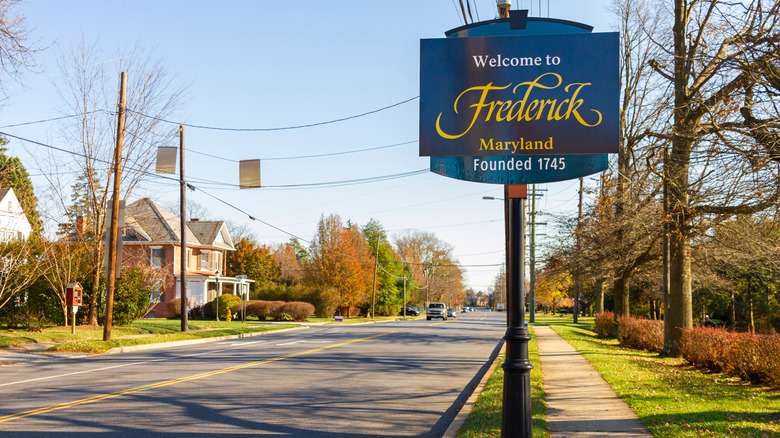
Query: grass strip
point(100, 346)
point(673, 399)
point(485, 417)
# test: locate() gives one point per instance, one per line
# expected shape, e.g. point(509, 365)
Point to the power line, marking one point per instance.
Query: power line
point(324, 184)
point(50, 120)
point(281, 128)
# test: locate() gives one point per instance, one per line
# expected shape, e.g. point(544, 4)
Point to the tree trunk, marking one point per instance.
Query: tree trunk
point(600, 295)
point(679, 315)
point(622, 296)
point(733, 311)
point(97, 269)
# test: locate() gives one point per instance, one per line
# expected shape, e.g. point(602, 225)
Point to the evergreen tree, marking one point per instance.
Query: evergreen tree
point(14, 175)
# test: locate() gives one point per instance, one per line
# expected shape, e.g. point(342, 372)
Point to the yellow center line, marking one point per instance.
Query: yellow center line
point(102, 397)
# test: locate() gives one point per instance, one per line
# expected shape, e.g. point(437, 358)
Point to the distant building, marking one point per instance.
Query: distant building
point(13, 221)
point(153, 234)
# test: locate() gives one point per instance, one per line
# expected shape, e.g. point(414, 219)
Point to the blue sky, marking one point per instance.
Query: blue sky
point(263, 64)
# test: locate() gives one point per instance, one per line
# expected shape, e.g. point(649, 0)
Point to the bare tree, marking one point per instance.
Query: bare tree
point(724, 150)
point(432, 265)
point(64, 262)
point(16, 49)
point(89, 92)
point(20, 263)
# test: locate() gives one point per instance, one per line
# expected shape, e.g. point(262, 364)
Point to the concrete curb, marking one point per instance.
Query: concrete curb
point(160, 345)
point(465, 410)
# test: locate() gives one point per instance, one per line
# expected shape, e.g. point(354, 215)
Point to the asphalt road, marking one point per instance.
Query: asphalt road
point(402, 378)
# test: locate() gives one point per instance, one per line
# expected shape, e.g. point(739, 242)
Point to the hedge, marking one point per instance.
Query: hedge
point(640, 333)
point(604, 325)
point(280, 311)
point(751, 357)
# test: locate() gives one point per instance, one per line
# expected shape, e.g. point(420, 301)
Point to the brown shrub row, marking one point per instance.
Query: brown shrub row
point(751, 357)
point(280, 311)
point(605, 325)
point(640, 333)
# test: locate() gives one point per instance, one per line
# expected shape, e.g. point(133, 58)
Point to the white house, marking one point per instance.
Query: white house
point(13, 221)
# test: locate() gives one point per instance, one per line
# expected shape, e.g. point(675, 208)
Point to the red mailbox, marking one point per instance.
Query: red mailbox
point(73, 294)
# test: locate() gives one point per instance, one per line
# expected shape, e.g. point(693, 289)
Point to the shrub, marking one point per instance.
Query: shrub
point(705, 347)
point(751, 357)
point(640, 333)
point(225, 303)
point(131, 297)
point(769, 360)
point(604, 325)
point(263, 310)
point(175, 306)
point(742, 357)
point(297, 310)
point(325, 300)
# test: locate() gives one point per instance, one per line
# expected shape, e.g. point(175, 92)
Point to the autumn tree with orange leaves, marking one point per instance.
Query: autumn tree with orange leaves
point(339, 257)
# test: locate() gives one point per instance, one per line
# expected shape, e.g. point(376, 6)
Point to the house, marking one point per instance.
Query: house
point(152, 236)
point(13, 221)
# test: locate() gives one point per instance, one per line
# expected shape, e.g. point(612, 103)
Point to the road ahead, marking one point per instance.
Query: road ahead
point(402, 378)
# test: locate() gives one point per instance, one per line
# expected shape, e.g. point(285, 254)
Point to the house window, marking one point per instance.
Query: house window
point(157, 256)
point(187, 259)
point(204, 261)
point(158, 294)
point(10, 207)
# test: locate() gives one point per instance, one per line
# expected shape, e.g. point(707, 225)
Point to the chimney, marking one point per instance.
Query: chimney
point(195, 219)
point(80, 226)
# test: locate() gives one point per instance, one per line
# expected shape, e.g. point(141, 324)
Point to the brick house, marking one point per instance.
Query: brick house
point(152, 236)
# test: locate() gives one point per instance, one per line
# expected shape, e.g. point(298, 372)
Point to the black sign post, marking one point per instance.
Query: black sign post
point(516, 414)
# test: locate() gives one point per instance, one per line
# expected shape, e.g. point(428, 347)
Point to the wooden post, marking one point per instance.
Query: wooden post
point(113, 235)
point(73, 318)
point(183, 223)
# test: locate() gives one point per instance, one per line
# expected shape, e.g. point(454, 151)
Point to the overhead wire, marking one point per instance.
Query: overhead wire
point(279, 128)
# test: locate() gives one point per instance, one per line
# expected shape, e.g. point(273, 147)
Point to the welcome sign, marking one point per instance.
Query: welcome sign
point(519, 95)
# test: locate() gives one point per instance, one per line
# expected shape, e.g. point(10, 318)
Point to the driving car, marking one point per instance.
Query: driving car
point(451, 313)
point(410, 311)
point(436, 310)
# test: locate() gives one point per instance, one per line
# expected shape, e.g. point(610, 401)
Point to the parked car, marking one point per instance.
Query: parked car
point(436, 310)
point(451, 313)
point(410, 311)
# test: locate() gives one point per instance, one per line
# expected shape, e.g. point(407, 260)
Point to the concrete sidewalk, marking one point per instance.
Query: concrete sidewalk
point(580, 404)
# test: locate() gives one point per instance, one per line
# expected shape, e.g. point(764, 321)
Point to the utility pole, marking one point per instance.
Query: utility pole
point(376, 266)
point(113, 234)
point(578, 257)
point(183, 223)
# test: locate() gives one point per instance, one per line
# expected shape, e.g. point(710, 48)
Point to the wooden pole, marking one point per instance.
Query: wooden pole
point(113, 235)
point(376, 265)
point(183, 218)
point(578, 258)
point(73, 317)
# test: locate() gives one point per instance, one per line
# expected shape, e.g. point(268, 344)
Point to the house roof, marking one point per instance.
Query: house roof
point(148, 222)
point(212, 233)
point(4, 192)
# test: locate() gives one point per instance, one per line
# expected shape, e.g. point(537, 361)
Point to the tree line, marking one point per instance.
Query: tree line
point(683, 226)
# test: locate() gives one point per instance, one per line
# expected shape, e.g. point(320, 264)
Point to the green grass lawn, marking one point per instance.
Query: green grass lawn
point(89, 339)
point(672, 399)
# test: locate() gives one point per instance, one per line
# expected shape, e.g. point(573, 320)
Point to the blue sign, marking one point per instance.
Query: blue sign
point(519, 95)
point(520, 169)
